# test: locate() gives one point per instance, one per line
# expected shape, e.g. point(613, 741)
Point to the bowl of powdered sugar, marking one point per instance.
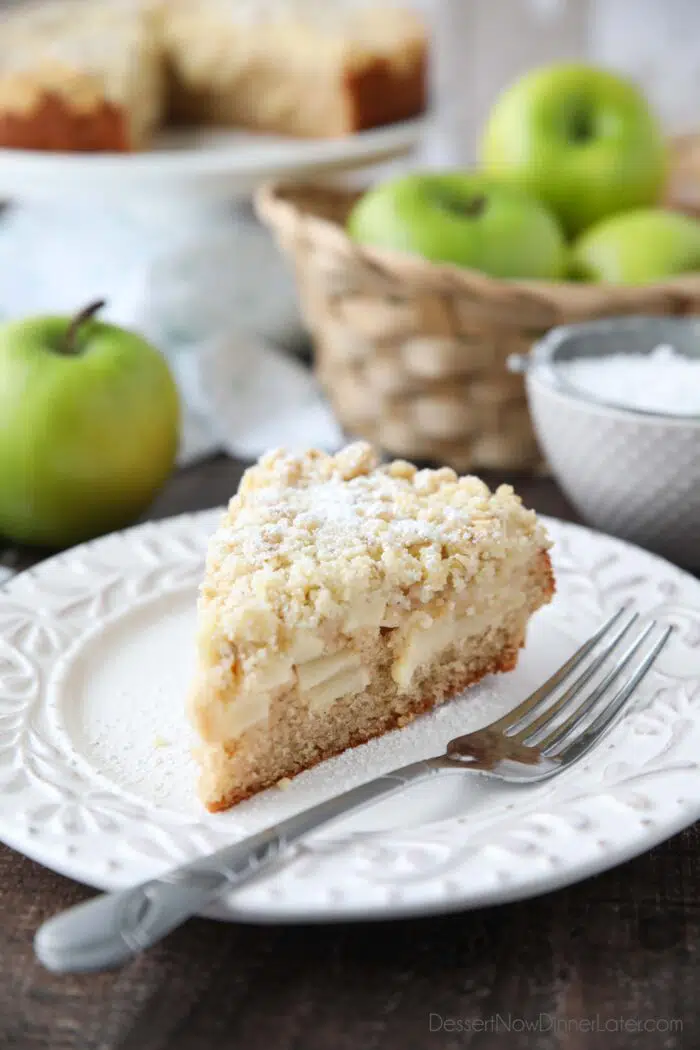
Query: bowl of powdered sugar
point(616, 407)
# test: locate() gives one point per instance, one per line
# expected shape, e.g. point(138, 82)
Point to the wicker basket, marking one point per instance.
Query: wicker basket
point(413, 355)
point(683, 190)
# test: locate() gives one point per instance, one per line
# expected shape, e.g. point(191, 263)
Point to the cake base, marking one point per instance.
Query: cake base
point(55, 126)
point(296, 739)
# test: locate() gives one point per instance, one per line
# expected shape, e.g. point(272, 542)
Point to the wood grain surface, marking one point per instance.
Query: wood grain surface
point(609, 964)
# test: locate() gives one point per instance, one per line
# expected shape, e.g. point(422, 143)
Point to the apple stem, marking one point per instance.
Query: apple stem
point(475, 207)
point(581, 127)
point(76, 324)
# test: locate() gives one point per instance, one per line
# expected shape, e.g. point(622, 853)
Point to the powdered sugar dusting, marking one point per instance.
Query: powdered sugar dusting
point(130, 724)
point(309, 534)
point(662, 381)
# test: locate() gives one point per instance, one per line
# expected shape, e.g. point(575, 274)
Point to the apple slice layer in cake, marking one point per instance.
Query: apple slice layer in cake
point(341, 599)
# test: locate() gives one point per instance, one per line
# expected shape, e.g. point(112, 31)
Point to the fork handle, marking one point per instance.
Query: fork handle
point(107, 930)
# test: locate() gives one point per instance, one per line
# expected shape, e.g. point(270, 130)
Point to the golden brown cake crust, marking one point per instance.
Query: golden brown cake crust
point(381, 94)
point(53, 124)
point(80, 77)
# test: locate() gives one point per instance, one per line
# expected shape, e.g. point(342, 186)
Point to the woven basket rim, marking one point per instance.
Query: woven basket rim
point(276, 204)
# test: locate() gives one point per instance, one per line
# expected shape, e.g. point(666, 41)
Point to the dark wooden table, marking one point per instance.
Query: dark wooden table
point(610, 963)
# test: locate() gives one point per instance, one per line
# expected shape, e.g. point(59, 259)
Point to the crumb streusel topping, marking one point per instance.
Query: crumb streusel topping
point(309, 535)
point(87, 55)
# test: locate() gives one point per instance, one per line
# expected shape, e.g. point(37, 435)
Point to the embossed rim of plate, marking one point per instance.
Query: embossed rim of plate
point(608, 812)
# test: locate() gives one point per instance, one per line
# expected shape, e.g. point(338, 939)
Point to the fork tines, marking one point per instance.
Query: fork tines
point(562, 724)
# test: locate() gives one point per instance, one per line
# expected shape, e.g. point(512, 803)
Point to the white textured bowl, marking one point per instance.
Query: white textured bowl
point(632, 473)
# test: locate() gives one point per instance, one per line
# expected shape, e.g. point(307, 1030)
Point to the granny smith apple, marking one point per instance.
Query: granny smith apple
point(583, 140)
point(89, 426)
point(637, 247)
point(465, 218)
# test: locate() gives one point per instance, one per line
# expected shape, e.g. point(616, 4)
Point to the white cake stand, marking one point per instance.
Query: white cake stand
point(166, 236)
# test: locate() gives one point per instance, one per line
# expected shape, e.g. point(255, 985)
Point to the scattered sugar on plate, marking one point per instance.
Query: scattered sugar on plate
point(663, 381)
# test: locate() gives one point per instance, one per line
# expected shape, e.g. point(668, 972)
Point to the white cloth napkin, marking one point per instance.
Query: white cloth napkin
point(246, 396)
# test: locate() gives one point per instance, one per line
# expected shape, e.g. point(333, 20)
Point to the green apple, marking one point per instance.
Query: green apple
point(89, 428)
point(465, 218)
point(637, 247)
point(581, 139)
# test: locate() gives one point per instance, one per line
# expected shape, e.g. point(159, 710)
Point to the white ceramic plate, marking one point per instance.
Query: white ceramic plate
point(96, 780)
point(201, 161)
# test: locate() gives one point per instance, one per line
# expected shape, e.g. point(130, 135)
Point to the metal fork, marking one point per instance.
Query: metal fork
point(545, 734)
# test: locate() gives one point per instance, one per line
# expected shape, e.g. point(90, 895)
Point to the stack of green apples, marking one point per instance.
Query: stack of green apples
point(572, 168)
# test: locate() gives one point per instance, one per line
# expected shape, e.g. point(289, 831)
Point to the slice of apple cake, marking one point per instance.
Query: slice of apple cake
point(341, 599)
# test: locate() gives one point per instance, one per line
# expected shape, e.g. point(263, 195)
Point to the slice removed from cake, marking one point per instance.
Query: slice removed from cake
point(297, 67)
point(342, 598)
